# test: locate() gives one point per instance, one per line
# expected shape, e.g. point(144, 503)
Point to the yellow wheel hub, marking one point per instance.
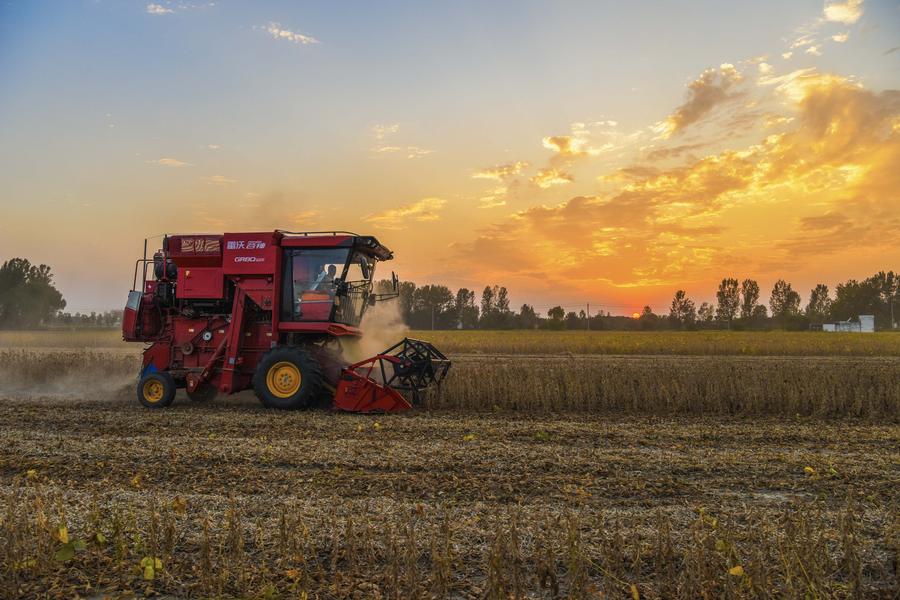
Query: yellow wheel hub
point(283, 379)
point(153, 390)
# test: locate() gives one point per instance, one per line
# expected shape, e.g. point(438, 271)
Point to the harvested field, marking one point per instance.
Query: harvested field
point(235, 500)
point(580, 476)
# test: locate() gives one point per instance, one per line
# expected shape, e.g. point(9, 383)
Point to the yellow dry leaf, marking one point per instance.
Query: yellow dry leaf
point(293, 573)
point(737, 571)
point(179, 505)
point(63, 534)
point(634, 592)
point(809, 470)
point(136, 480)
point(468, 437)
point(376, 425)
point(149, 573)
point(31, 474)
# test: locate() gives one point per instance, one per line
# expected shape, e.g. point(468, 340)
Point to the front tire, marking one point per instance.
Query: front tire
point(156, 390)
point(287, 378)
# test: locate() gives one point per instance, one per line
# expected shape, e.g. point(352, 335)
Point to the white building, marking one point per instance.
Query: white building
point(865, 324)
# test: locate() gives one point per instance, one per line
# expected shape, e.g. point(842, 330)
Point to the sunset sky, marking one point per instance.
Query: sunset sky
point(574, 152)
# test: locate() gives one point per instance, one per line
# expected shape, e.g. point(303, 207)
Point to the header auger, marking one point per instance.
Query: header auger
point(224, 313)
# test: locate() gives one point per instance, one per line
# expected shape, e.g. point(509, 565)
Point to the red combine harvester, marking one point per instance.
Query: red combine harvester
point(224, 313)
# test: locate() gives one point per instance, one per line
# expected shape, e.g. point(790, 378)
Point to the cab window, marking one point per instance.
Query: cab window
point(311, 277)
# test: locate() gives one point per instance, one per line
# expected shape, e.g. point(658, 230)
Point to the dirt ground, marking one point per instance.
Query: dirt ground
point(475, 481)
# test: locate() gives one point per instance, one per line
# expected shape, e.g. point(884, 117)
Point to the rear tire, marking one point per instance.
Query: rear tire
point(156, 390)
point(287, 378)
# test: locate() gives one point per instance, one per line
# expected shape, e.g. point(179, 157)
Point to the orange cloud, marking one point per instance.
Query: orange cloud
point(713, 88)
point(500, 172)
point(426, 209)
point(170, 162)
point(566, 145)
point(551, 177)
point(826, 185)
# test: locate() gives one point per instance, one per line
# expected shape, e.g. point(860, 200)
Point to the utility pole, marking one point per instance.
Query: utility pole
point(589, 316)
point(432, 317)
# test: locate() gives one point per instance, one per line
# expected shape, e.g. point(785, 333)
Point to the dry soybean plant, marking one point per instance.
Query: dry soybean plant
point(165, 545)
point(832, 388)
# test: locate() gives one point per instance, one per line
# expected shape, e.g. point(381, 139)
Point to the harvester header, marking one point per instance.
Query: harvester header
point(227, 312)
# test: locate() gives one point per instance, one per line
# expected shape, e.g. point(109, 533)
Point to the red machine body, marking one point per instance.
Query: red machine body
point(224, 313)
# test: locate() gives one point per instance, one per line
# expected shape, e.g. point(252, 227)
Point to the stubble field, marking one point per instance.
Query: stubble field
point(747, 473)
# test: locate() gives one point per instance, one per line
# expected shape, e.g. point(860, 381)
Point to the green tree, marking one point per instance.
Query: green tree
point(728, 299)
point(504, 316)
point(819, 306)
point(433, 305)
point(466, 311)
point(488, 307)
point(682, 312)
point(706, 313)
point(784, 301)
point(556, 318)
point(749, 297)
point(527, 318)
point(28, 297)
point(406, 298)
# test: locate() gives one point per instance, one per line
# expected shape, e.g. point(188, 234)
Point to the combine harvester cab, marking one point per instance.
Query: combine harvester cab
point(267, 311)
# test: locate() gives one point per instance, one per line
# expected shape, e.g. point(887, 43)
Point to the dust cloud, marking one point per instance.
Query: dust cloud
point(382, 327)
point(66, 374)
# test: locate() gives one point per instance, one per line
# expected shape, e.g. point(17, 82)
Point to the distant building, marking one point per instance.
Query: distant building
point(865, 324)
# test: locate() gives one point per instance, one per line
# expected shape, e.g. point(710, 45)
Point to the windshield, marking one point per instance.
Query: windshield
point(312, 276)
point(323, 285)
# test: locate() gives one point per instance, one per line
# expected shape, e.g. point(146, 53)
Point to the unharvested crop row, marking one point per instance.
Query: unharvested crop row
point(168, 545)
point(671, 385)
point(809, 386)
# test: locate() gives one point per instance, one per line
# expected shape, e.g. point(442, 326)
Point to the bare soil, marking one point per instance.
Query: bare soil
point(507, 492)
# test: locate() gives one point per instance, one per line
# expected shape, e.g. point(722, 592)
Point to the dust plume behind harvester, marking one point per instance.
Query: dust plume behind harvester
point(267, 311)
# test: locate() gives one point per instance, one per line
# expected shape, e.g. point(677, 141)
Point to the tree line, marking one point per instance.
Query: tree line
point(29, 298)
point(739, 305)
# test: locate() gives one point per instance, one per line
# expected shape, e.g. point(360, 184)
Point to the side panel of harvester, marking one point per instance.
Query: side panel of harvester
point(240, 268)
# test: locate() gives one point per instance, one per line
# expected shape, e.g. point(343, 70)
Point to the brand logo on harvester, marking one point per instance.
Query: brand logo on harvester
point(248, 245)
point(249, 259)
